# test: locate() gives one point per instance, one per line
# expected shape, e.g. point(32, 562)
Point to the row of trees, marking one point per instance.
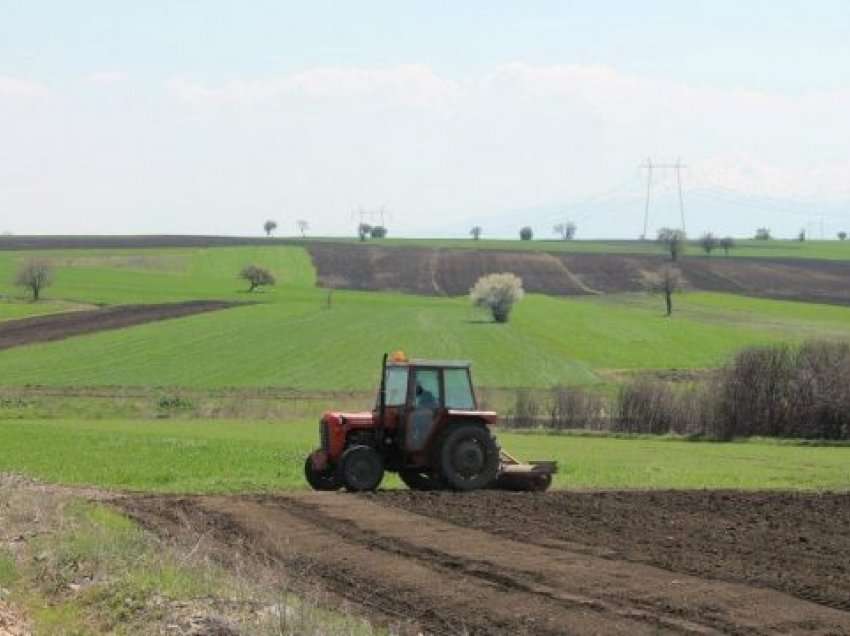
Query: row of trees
point(674, 241)
point(566, 231)
point(270, 226)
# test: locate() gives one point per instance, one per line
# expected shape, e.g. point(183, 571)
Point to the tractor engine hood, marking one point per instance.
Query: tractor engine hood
point(361, 419)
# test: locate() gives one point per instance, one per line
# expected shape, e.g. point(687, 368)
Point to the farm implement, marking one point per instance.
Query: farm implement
point(427, 427)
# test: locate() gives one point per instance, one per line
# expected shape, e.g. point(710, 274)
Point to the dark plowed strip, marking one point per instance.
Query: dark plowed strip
point(793, 542)
point(426, 271)
point(440, 578)
point(15, 333)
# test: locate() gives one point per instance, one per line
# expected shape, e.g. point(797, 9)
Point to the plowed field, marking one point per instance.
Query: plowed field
point(559, 563)
point(454, 272)
point(14, 333)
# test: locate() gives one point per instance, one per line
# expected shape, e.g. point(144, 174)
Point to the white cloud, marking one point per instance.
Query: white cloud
point(401, 85)
point(16, 87)
point(436, 149)
point(107, 77)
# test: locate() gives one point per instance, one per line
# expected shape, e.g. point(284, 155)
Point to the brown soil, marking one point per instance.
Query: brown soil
point(454, 272)
point(14, 333)
point(502, 563)
point(11, 624)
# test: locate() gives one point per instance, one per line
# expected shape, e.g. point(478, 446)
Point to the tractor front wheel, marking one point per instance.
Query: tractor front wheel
point(468, 457)
point(324, 480)
point(361, 468)
point(419, 480)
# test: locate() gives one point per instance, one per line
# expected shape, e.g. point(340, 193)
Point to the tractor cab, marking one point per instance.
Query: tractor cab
point(419, 397)
point(427, 427)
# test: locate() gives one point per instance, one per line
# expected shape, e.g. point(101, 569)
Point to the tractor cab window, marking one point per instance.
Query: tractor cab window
point(427, 390)
point(396, 386)
point(458, 389)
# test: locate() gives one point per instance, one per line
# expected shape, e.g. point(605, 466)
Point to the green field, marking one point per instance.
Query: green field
point(776, 248)
point(160, 275)
point(294, 341)
point(291, 338)
point(230, 456)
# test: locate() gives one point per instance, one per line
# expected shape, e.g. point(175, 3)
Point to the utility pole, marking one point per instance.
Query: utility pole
point(648, 196)
point(650, 168)
point(679, 184)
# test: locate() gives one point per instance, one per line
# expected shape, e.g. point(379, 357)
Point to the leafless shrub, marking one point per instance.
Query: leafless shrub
point(665, 282)
point(781, 391)
point(572, 408)
point(525, 412)
point(34, 275)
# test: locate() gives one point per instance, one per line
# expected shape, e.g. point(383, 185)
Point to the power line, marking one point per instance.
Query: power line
point(650, 169)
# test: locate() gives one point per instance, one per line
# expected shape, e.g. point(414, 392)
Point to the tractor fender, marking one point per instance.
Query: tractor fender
point(485, 417)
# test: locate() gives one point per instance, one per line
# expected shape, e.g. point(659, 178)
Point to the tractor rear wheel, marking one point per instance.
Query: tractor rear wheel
point(468, 457)
point(361, 468)
point(325, 480)
point(420, 480)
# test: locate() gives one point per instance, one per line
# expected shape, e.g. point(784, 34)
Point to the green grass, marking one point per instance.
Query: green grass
point(295, 342)
point(829, 250)
point(161, 275)
point(227, 456)
point(13, 308)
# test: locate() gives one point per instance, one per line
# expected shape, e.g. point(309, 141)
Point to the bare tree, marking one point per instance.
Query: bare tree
point(257, 276)
point(269, 227)
point(566, 231)
point(497, 293)
point(727, 243)
point(476, 232)
point(708, 242)
point(842, 236)
point(763, 234)
point(526, 233)
point(673, 241)
point(665, 282)
point(303, 226)
point(363, 231)
point(34, 275)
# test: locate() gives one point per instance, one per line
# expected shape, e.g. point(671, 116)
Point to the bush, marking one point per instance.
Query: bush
point(34, 275)
point(526, 233)
point(256, 276)
point(525, 412)
point(497, 293)
point(763, 234)
point(576, 409)
point(378, 232)
point(783, 392)
point(673, 241)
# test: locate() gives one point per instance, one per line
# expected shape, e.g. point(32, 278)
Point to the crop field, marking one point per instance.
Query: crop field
point(189, 432)
point(219, 456)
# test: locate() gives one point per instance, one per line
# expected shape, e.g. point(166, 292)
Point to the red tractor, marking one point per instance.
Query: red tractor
point(426, 426)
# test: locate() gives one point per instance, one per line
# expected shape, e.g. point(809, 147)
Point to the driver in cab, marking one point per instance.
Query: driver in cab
point(424, 398)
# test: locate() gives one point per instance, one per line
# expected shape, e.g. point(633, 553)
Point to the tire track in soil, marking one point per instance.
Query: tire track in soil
point(447, 579)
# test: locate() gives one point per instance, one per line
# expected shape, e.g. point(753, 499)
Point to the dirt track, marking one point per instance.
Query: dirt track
point(454, 272)
point(15, 333)
point(560, 563)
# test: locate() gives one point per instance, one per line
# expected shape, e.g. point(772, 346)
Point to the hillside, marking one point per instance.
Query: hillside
point(437, 271)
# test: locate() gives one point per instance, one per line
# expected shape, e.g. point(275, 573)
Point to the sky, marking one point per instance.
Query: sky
point(208, 117)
